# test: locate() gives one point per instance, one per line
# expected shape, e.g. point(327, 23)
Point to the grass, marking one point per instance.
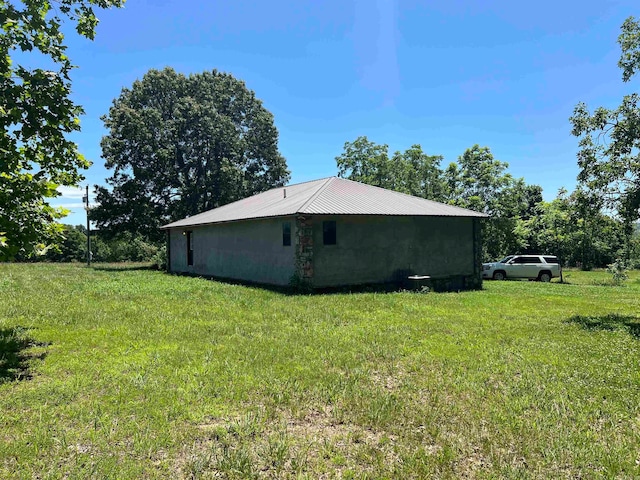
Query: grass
point(132, 373)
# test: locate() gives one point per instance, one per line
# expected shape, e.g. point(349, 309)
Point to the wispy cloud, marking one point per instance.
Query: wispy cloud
point(68, 205)
point(70, 192)
point(71, 198)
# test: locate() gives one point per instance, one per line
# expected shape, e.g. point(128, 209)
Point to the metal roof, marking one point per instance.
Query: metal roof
point(327, 196)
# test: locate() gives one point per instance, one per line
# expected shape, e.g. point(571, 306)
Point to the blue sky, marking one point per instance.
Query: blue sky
point(444, 74)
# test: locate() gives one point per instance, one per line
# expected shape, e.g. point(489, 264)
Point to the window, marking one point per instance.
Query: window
point(551, 259)
point(189, 235)
point(329, 232)
point(528, 260)
point(286, 234)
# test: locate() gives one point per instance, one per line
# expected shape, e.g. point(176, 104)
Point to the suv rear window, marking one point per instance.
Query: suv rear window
point(526, 260)
point(551, 259)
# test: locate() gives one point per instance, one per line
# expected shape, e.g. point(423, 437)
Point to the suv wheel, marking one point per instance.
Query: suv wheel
point(499, 275)
point(544, 277)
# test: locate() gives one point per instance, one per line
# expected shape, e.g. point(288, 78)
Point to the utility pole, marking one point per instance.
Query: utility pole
point(86, 200)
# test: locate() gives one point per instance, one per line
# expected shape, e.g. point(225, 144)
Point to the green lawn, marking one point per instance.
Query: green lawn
point(124, 373)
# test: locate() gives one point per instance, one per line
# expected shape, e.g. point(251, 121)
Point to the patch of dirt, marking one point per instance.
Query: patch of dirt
point(472, 463)
point(387, 381)
point(79, 448)
point(319, 427)
point(314, 442)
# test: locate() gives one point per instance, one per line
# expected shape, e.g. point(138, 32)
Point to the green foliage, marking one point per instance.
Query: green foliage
point(609, 143)
point(412, 171)
point(180, 145)
point(125, 247)
point(480, 182)
point(29, 222)
point(634, 248)
point(36, 116)
point(159, 260)
point(574, 228)
point(619, 271)
point(629, 41)
point(138, 374)
point(120, 248)
point(72, 247)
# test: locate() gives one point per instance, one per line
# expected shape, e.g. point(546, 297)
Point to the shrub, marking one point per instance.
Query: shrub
point(159, 260)
point(618, 271)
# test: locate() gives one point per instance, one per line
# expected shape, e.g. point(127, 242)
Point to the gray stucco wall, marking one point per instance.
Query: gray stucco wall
point(247, 250)
point(384, 248)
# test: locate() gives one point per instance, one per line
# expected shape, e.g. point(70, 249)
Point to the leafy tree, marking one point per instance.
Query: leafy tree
point(480, 182)
point(179, 145)
point(412, 171)
point(574, 228)
point(365, 161)
point(73, 246)
point(125, 247)
point(421, 174)
point(609, 155)
point(36, 114)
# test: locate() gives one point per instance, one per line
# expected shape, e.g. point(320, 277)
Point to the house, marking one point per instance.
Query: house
point(328, 233)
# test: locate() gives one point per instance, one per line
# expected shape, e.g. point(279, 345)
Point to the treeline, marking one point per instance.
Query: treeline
point(572, 226)
point(125, 247)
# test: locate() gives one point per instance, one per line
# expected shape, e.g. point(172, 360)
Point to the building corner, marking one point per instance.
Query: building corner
point(303, 274)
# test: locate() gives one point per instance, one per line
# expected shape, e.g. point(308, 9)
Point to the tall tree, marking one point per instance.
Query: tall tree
point(36, 115)
point(573, 227)
point(179, 145)
point(421, 173)
point(609, 155)
point(479, 180)
point(365, 161)
point(412, 171)
point(481, 183)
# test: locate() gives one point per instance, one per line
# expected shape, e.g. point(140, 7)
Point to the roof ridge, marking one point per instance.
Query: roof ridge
point(313, 197)
point(300, 183)
point(413, 197)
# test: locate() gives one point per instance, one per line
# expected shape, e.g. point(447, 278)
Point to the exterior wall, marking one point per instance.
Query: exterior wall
point(377, 249)
point(247, 250)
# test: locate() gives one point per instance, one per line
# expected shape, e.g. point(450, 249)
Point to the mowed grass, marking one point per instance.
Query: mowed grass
point(123, 373)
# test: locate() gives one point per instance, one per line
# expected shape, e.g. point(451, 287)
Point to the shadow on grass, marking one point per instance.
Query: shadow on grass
point(612, 321)
point(122, 267)
point(16, 354)
point(289, 290)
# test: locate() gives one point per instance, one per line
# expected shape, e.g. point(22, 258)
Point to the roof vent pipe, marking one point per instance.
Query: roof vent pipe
point(285, 192)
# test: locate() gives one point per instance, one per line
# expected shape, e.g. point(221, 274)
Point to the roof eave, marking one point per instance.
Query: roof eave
point(173, 225)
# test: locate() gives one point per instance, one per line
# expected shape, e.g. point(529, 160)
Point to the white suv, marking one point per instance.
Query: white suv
point(533, 267)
